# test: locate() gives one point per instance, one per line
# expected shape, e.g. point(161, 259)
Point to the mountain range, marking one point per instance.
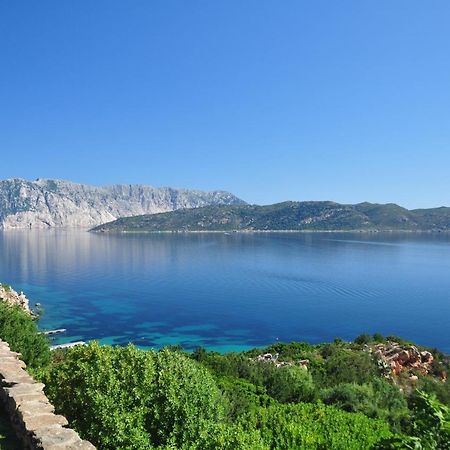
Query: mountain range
point(48, 203)
point(314, 216)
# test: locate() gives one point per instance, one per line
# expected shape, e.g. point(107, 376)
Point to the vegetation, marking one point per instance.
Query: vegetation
point(287, 216)
point(122, 397)
point(333, 396)
point(129, 398)
point(19, 329)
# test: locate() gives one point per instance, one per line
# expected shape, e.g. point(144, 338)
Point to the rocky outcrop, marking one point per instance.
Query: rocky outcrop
point(9, 295)
point(31, 414)
point(273, 359)
point(56, 203)
point(398, 358)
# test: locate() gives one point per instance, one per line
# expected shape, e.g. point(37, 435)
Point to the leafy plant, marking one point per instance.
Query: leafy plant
point(123, 397)
point(20, 331)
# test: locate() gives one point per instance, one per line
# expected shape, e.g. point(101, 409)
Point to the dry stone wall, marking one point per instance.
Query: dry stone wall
point(31, 414)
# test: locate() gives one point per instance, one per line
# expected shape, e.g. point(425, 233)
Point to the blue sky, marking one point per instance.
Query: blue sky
point(294, 100)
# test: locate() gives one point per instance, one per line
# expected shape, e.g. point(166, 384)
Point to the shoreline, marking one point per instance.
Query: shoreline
point(230, 232)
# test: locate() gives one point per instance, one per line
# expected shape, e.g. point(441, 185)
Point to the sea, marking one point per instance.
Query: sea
point(232, 291)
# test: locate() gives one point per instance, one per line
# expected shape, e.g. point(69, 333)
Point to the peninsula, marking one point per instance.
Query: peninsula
point(287, 216)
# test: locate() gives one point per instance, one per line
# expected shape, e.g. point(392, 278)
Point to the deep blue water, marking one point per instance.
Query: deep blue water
point(229, 292)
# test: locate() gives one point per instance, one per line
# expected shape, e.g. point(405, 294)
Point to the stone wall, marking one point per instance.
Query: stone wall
point(31, 414)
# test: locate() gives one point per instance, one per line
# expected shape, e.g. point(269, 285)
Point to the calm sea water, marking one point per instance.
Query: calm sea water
point(230, 292)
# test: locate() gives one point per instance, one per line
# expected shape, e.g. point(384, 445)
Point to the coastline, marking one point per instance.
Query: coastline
point(264, 231)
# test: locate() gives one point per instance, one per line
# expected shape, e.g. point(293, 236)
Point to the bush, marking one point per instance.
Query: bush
point(377, 399)
point(184, 398)
point(285, 384)
point(122, 397)
point(288, 384)
point(345, 366)
point(430, 427)
point(242, 397)
point(19, 330)
point(230, 437)
point(104, 392)
point(363, 339)
point(436, 387)
point(317, 426)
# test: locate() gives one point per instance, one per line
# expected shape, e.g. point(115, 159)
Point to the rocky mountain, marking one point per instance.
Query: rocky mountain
point(55, 203)
point(318, 216)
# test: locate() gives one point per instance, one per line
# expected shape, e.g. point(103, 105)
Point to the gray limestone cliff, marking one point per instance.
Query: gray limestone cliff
point(56, 203)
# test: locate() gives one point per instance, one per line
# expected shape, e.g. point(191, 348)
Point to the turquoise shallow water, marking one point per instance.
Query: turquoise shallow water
point(230, 292)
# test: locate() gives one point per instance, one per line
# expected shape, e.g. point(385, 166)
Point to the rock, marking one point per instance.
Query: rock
point(30, 412)
point(426, 357)
point(9, 295)
point(399, 358)
point(57, 203)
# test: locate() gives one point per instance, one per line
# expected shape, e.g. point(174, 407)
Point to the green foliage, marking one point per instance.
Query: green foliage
point(242, 397)
point(431, 420)
point(377, 337)
point(377, 399)
point(437, 387)
point(184, 398)
point(363, 339)
point(286, 384)
point(222, 436)
point(19, 330)
point(316, 426)
point(430, 429)
point(105, 393)
point(293, 351)
point(6, 287)
point(343, 365)
point(285, 216)
point(125, 398)
point(122, 397)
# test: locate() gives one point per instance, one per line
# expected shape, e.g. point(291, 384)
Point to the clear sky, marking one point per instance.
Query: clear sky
point(271, 100)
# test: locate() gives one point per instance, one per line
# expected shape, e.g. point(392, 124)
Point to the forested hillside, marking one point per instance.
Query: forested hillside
point(315, 216)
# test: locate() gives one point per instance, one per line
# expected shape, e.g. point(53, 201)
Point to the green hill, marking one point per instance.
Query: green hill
point(314, 216)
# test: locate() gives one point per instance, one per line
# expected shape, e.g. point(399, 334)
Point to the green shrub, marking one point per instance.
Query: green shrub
point(288, 384)
point(242, 397)
point(229, 437)
point(104, 392)
point(184, 399)
point(293, 351)
point(363, 339)
point(377, 399)
point(20, 331)
point(430, 426)
point(317, 426)
point(125, 398)
point(436, 387)
point(285, 384)
point(345, 366)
